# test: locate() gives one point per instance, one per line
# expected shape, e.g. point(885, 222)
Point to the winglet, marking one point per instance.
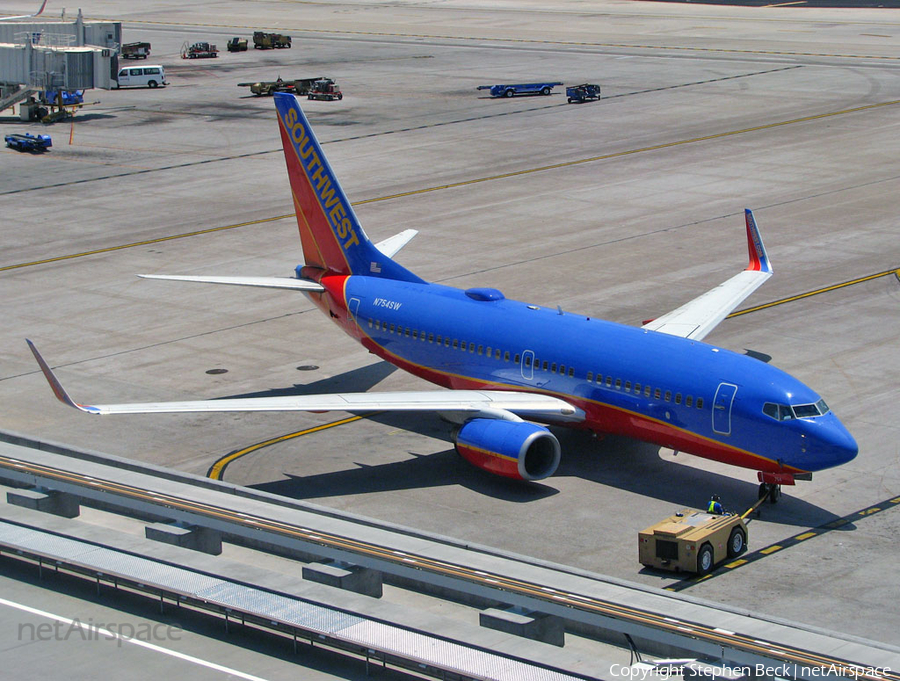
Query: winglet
point(759, 259)
point(55, 385)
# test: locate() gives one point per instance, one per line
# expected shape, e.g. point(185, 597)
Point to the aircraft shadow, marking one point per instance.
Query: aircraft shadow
point(419, 472)
point(635, 466)
point(617, 462)
point(355, 380)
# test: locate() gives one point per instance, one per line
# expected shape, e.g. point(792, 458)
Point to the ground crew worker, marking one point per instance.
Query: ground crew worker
point(714, 506)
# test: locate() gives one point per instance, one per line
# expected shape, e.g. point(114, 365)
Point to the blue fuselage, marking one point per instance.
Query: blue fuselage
point(683, 394)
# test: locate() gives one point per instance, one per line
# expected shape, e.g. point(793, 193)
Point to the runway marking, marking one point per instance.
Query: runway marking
point(755, 556)
point(217, 470)
point(826, 289)
point(142, 170)
point(464, 183)
point(528, 41)
point(110, 635)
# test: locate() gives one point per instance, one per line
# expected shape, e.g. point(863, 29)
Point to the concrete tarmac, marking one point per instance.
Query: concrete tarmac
point(623, 208)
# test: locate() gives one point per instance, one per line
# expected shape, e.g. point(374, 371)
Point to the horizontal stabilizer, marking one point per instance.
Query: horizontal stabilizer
point(392, 245)
point(262, 282)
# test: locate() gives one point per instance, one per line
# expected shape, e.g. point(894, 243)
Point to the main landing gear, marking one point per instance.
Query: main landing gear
point(770, 490)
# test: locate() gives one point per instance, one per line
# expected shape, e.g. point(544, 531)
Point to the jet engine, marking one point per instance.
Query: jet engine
point(513, 449)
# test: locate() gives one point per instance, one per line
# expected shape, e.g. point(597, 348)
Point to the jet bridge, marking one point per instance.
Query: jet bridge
point(64, 55)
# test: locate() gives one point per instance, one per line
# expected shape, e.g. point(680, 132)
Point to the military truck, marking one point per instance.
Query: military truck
point(692, 541)
point(268, 41)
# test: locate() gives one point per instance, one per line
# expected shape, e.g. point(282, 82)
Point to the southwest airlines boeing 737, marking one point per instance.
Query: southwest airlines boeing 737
point(508, 367)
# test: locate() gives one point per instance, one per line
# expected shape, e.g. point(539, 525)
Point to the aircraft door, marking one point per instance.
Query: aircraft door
point(721, 418)
point(527, 365)
point(353, 309)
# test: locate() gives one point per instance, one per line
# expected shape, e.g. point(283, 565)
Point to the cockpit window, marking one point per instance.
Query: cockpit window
point(784, 412)
point(779, 412)
point(805, 411)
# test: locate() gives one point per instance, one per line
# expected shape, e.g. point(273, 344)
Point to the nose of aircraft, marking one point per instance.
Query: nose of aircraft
point(833, 444)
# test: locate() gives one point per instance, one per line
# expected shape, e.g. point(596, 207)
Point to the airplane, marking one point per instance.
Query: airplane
point(509, 368)
point(27, 16)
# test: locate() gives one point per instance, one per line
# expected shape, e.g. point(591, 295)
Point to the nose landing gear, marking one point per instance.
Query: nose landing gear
point(770, 490)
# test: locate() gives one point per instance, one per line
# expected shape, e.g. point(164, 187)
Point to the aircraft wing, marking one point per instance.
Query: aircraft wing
point(701, 315)
point(493, 403)
point(28, 16)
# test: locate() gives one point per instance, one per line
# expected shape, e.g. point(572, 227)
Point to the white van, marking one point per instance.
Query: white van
point(149, 76)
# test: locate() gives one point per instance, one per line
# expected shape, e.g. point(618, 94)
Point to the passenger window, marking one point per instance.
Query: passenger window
point(392, 328)
point(545, 365)
point(516, 360)
point(123, 73)
point(505, 356)
point(637, 388)
point(609, 381)
point(688, 401)
point(455, 343)
point(562, 369)
point(136, 72)
point(590, 376)
point(446, 342)
point(415, 334)
point(528, 360)
point(148, 72)
point(646, 391)
point(599, 379)
point(571, 372)
point(656, 394)
point(699, 403)
point(407, 332)
point(497, 354)
point(481, 350)
point(627, 386)
point(677, 398)
point(472, 347)
point(668, 396)
point(384, 326)
point(431, 338)
point(486, 352)
point(618, 384)
point(552, 367)
point(370, 323)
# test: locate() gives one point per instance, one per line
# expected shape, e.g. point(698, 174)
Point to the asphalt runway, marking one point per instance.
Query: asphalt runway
point(623, 208)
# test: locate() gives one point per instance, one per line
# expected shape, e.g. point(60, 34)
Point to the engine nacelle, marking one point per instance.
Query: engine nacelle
point(513, 449)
